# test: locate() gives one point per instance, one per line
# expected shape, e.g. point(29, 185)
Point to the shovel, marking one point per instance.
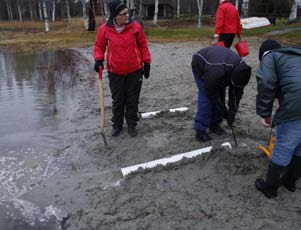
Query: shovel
point(102, 107)
point(233, 134)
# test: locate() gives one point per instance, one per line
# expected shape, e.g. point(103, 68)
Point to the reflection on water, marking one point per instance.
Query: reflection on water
point(37, 98)
point(34, 88)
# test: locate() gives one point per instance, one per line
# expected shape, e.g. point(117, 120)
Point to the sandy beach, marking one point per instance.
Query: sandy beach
point(213, 191)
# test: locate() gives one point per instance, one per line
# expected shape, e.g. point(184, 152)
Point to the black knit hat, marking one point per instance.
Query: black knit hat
point(241, 74)
point(115, 7)
point(267, 45)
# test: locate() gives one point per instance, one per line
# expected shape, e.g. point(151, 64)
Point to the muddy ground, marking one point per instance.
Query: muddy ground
point(213, 191)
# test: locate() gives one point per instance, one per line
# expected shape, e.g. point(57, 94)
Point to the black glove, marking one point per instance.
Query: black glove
point(231, 117)
point(224, 111)
point(97, 64)
point(146, 70)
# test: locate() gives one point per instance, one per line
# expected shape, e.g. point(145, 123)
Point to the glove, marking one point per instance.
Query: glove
point(146, 70)
point(97, 64)
point(224, 111)
point(231, 117)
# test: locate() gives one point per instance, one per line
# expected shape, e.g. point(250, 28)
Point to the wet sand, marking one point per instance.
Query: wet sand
point(213, 191)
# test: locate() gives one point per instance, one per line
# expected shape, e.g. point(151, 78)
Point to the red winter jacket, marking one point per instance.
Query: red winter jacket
point(227, 19)
point(126, 51)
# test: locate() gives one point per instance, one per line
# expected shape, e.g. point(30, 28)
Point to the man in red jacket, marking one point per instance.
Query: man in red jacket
point(227, 23)
point(128, 59)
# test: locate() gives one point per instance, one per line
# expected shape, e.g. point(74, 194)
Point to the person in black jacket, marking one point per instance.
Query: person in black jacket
point(215, 68)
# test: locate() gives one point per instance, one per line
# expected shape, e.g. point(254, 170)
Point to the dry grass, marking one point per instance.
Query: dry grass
point(31, 36)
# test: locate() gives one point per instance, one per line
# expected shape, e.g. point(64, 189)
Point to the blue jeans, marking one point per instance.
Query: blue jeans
point(206, 115)
point(287, 142)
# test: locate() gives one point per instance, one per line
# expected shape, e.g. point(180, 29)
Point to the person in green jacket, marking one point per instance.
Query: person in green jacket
point(279, 77)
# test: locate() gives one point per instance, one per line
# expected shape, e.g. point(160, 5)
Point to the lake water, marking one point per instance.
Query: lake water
point(37, 98)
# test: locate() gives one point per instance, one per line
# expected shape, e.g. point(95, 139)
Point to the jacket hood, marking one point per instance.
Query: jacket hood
point(290, 49)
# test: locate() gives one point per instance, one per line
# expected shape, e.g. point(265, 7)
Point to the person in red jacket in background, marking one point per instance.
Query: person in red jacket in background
point(128, 59)
point(227, 23)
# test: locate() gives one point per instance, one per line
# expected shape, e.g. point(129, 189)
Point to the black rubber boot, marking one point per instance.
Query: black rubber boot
point(216, 129)
point(202, 136)
point(293, 174)
point(132, 131)
point(273, 181)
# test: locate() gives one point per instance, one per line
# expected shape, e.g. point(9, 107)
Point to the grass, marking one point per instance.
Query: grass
point(30, 36)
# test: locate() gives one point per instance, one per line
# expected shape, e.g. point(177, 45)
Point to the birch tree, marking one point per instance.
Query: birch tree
point(236, 4)
point(19, 11)
point(40, 10)
point(53, 10)
point(9, 10)
point(68, 10)
point(30, 10)
point(86, 20)
point(178, 8)
point(105, 7)
point(245, 8)
point(156, 12)
point(45, 16)
point(200, 8)
point(293, 15)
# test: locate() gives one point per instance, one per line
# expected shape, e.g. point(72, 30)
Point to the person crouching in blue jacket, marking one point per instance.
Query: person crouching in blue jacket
point(215, 68)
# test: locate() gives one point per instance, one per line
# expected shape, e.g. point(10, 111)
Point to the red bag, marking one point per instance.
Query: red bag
point(242, 48)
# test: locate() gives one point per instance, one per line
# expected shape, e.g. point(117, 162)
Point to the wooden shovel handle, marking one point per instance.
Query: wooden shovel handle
point(102, 104)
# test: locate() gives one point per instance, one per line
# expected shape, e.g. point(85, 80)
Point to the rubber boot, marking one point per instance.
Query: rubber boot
point(293, 174)
point(202, 136)
point(273, 181)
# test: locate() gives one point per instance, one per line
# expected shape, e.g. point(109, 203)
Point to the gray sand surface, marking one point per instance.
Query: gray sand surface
point(213, 191)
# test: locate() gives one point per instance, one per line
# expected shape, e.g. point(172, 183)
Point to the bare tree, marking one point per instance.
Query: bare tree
point(53, 10)
point(155, 21)
point(293, 15)
point(200, 8)
point(30, 10)
point(178, 8)
point(68, 10)
point(40, 10)
point(86, 20)
point(245, 8)
point(45, 16)
point(19, 11)
point(9, 10)
point(105, 7)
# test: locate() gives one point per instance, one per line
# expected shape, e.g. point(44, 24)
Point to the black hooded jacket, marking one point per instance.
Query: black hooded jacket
point(215, 65)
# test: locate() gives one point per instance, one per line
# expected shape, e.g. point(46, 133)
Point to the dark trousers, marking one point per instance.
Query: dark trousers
point(207, 115)
point(227, 39)
point(125, 92)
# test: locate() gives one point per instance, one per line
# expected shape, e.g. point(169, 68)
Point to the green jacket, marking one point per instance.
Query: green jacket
point(279, 76)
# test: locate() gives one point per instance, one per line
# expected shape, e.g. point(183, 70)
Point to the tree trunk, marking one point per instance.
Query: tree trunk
point(86, 20)
point(68, 10)
point(105, 7)
point(156, 12)
point(19, 12)
point(53, 10)
point(178, 9)
point(293, 15)
point(140, 9)
point(30, 10)
point(236, 4)
point(40, 11)
point(245, 8)
point(200, 8)
point(45, 16)
point(9, 11)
